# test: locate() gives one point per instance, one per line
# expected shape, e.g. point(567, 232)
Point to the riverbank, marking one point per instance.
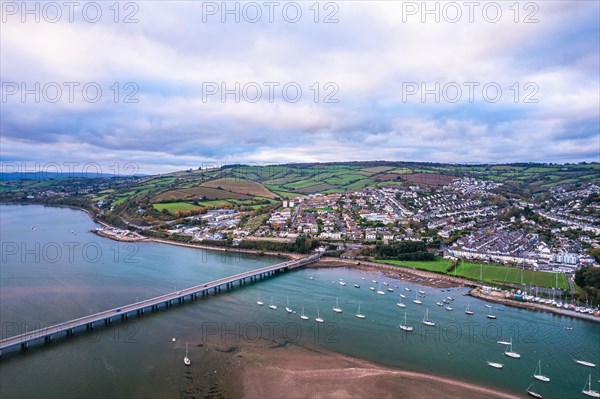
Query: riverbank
point(265, 369)
point(422, 277)
point(498, 298)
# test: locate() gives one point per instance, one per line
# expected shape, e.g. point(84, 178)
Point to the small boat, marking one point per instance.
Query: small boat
point(362, 278)
point(449, 308)
point(390, 290)
point(407, 289)
point(426, 320)
point(488, 306)
point(319, 319)
point(356, 286)
point(587, 390)
point(287, 308)
point(173, 339)
point(302, 315)
point(530, 391)
point(469, 312)
point(538, 373)
point(358, 314)
point(337, 308)
point(379, 292)
point(401, 304)
point(186, 359)
point(258, 301)
point(445, 301)
point(372, 288)
point(450, 298)
point(386, 283)
point(491, 316)
point(568, 328)
point(509, 351)
point(417, 301)
point(583, 362)
point(311, 278)
point(421, 292)
point(271, 306)
point(374, 281)
point(402, 296)
point(495, 365)
point(404, 326)
point(342, 283)
point(503, 342)
point(439, 304)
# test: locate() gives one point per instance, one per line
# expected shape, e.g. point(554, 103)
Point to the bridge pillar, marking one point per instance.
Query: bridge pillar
point(89, 326)
point(69, 332)
point(24, 345)
point(180, 299)
point(48, 339)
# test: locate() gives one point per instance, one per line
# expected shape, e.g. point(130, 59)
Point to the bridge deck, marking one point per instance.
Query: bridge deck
point(124, 311)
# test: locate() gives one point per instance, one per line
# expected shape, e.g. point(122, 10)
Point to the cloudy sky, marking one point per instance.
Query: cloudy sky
point(174, 85)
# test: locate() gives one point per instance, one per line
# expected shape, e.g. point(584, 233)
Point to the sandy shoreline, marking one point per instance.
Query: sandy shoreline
point(267, 369)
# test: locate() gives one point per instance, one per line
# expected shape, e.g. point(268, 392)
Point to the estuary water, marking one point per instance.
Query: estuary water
point(54, 269)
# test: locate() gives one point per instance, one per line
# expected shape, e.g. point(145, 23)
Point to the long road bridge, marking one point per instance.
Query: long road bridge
point(152, 304)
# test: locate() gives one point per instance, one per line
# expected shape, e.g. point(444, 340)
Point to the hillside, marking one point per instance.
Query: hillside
point(240, 186)
point(258, 186)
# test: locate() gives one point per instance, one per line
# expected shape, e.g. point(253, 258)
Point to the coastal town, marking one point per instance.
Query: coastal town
point(463, 220)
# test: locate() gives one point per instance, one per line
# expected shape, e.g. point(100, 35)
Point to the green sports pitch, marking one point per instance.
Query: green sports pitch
point(490, 273)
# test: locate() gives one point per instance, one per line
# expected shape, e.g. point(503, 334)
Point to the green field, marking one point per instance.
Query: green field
point(489, 273)
point(173, 207)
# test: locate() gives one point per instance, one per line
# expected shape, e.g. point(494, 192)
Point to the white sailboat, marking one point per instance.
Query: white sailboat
point(358, 314)
point(337, 308)
point(495, 365)
point(538, 373)
point(530, 391)
point(379, 291)
point(186, 359)
point(439, 304)
point(509, 351)
point(426, 320)
point(405, 326)
point(274, 307)
point(287, 308)
point(491, 315)
point(589, 391)
point(503, 342)
point(449, 308)
point(468, 311)
point(583, 362)
point(258, 301)
point(417, 300)
point(400, 303)
point(319, 319)
point(302, 315)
